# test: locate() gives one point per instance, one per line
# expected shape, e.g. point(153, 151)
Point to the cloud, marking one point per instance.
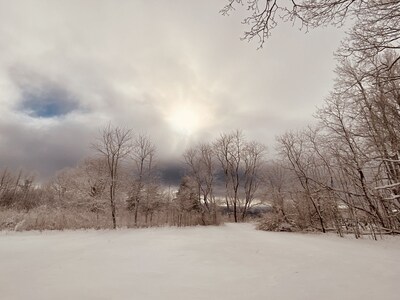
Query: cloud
point(69, 67)
point(171, 172)
point(51, 103)
point(41, 98)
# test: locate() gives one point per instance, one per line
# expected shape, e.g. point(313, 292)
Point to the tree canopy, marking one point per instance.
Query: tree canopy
point(375, 23)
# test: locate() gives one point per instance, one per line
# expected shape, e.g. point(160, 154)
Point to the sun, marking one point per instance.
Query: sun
point(184, 120)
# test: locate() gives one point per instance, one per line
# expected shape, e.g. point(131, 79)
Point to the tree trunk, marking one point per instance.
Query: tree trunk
point(235, 212)
point(112, 203)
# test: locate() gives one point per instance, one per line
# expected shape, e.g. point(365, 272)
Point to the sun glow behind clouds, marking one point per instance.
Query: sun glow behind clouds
point(184, 120)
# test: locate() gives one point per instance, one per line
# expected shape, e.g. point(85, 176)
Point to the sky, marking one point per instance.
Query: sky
point(175, 70)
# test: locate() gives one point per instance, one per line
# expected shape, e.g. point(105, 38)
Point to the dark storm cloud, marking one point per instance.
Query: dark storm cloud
point(44, 150)
point(171, 172)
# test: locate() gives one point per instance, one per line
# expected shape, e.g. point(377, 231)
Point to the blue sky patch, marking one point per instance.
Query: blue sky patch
point(47, 102)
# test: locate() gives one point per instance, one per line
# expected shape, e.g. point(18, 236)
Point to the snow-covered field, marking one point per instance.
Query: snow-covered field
point(233, 261)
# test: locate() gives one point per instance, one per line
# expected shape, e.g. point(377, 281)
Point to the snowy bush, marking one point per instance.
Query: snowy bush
point(275, 222)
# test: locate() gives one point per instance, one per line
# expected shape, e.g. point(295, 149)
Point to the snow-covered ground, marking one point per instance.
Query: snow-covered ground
point(233, 261)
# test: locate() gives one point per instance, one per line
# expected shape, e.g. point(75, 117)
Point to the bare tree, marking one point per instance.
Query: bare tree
point(201, 165)
point(241, 163)
point(7, 188)
point(19, 191)
point(229, 149)
point(293, 146)
point(143, 156)
point(375, 29)
point(115, 145)
point(154, 201)
point(186, 203)
point(275, 178)
point(253, 158)
point(94, 182)
point(362, 116)
point(222, 145)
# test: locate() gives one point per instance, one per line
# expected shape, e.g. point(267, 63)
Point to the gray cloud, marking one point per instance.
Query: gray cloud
point(50, 103)
point(176, 70)
point(171, 172)
point(41, 98)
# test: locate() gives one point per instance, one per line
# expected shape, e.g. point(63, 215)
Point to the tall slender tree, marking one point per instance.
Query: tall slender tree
point(114, 144)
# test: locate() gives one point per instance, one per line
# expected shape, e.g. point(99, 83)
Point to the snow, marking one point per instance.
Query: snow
point(233, 261)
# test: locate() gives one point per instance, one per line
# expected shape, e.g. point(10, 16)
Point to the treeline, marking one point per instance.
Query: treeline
point(228, 171)
point(120, 186)
point(344, 173)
